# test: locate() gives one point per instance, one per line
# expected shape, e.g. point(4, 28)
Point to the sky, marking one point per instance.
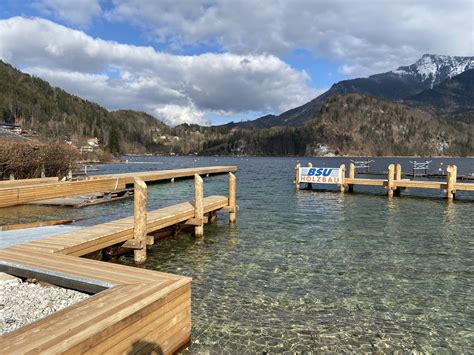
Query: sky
point(216, 61)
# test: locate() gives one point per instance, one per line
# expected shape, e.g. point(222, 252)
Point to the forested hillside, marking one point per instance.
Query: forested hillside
point(352, 124)
point(55, 114)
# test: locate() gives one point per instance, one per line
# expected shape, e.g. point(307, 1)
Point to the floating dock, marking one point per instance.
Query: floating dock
point(393, 184)
point(18, 192)
point(133, 310)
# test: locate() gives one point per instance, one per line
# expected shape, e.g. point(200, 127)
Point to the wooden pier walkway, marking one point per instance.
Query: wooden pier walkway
point(89, 239)
point(133, 310)
point(12, 194)
point(394, 182)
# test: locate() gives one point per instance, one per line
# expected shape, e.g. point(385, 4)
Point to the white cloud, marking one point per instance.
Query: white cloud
point(80, 12)
point(126, 76)
point(175, 114)
point(366, 36)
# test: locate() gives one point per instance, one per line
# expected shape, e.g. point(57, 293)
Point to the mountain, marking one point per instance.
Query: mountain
point(453, 97)
point(55, 114)
point(402, 83)
point(354, 124)
point(349, 124)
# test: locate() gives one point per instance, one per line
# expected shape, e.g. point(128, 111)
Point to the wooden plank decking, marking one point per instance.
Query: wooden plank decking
point(133, 311)
point(17, 195)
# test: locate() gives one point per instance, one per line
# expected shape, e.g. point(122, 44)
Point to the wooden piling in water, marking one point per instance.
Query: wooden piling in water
point(351, 176)
point(342, 185)
point(297, 175)
point(451, 180)
point(140, 220)
point(398, 177)
point(198, 206)
point(390, 179)
point(232, 199)
point(398, 172)
point(310, 185)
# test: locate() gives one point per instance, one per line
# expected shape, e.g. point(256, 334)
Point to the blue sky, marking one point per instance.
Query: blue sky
point(215, 61)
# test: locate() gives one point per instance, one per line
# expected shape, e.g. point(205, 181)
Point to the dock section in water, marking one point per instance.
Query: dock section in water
point(393, 183)
point(133, 310)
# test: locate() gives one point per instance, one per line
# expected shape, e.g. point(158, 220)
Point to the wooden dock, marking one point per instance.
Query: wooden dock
point(133, 310)
point(394, 182)
point(25, 192)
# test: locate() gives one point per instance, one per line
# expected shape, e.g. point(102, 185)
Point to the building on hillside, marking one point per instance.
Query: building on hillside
point(93, 142)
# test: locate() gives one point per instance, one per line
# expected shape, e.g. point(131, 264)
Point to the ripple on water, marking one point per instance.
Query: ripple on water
point(322, 271)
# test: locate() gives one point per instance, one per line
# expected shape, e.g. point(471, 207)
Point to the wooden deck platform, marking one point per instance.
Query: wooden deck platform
point(25, 193)
point(132, 311)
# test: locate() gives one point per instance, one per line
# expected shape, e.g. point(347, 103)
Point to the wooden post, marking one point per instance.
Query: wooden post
point(352, 169)
point(342, 185)
point(139, 219)
point(310, 185)
point(198, 206)
point(390, 177)
point(232, 199)
point(398, 177)
point(398, 172)
point(452, 171)
point(297, 177)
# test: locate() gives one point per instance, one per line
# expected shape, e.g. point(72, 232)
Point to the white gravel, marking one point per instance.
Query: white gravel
point(22, 303)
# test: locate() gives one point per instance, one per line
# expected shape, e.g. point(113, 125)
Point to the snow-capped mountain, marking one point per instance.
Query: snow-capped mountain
point(433, 69)
point(403, 83)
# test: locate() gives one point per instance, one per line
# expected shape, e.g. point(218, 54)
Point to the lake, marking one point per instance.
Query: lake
point(314, 270)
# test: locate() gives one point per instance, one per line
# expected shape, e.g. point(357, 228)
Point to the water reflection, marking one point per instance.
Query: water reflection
point(321, 271)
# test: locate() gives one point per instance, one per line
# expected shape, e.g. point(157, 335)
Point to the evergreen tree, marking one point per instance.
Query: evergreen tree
point(114, 140)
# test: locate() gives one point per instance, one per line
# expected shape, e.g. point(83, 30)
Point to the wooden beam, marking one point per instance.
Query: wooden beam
point(232, 198)
point(198, 206)
point(27, 182)
point(140, 220)
point(342, 185)
point(390, 178)
point(451, 181)
point(133, 244)
point(196, 221)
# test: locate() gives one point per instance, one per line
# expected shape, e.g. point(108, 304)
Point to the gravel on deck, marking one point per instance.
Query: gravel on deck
point(22, 303)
